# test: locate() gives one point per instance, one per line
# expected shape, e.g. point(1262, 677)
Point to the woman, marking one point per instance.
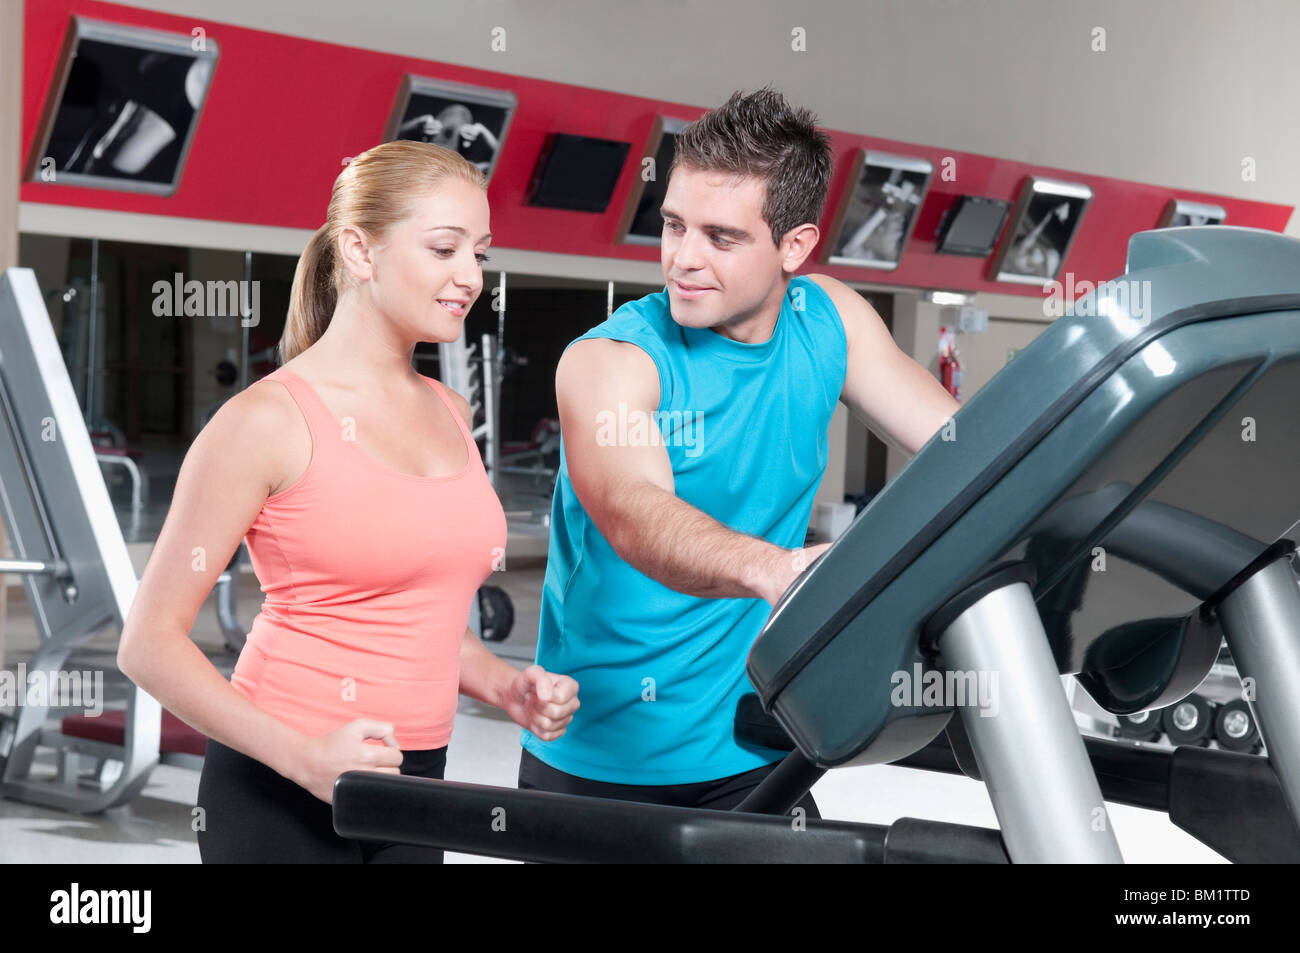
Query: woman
point(370, 523)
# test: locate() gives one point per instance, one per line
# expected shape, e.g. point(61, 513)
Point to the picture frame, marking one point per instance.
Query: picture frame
point(641, 223)
point(577, 173)
point(473, 121)
point(1179, 213)
point(971, 226)
point(1044, 223)
point(123, 108)
point(878, 211)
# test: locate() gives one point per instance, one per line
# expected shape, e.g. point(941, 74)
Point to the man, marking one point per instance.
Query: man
point(694, 436)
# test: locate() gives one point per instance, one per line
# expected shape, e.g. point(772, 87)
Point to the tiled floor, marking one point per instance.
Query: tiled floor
point(155, 828)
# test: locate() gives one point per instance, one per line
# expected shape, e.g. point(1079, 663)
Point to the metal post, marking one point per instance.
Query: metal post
point(92, 331)
point(784, 788)
point(1030, 752)
point(36, 567)
point(492, 377)
point(1261, 621)
point(500, 305)
point(492, 449)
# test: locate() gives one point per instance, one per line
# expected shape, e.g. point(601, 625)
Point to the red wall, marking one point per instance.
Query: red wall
point(283, 113)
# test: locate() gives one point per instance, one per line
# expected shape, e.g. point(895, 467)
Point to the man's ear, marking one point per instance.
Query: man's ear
point(797, 244)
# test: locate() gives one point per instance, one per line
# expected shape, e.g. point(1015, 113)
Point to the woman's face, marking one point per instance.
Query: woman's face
point(429, 272)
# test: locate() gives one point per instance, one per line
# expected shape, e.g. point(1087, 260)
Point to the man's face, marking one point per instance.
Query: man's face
point(719, 262)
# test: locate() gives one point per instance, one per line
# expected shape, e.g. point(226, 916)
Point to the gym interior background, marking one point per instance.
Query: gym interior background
point(1178, 101)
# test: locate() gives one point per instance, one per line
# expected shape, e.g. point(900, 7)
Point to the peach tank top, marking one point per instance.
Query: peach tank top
point(367, 574)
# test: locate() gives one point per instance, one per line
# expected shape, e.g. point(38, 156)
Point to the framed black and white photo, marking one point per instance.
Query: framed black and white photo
point(878, 212)
point(641, 223)
point(470, 120)
point(1179, 213)
point(123, 108)
point(1043, 225)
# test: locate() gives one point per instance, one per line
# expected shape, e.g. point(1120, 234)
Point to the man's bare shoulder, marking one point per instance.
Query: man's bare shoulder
point(605, 370)
point(857, 315)
point(607, 357)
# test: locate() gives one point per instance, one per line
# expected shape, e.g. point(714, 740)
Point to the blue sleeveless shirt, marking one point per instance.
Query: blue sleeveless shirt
point(745, 428)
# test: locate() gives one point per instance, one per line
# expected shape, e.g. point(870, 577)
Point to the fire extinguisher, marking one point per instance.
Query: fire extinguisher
point(949, 363)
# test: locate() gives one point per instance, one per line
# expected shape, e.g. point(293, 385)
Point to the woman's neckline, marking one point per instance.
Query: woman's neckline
point(439, 478)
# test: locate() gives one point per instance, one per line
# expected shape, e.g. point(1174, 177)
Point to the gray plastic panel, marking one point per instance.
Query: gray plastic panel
point(1104, 411)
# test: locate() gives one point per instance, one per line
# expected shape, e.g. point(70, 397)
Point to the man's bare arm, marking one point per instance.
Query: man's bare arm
point(891, 393)
point(629, 491)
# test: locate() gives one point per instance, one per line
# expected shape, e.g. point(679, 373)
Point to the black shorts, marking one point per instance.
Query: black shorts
point(253, 815)
point(723, 794)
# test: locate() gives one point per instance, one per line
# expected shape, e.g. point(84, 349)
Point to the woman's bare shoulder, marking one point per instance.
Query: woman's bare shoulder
point(264, 427)
point(460, 403)
point(258, 410)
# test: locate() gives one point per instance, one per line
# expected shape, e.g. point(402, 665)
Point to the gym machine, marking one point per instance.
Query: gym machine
point(1114, 505)
point(73, 559)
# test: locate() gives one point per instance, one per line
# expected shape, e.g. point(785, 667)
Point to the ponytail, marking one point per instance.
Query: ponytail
point(315, 292)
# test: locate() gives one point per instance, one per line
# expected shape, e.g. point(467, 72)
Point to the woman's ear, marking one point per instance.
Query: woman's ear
point(354, 250)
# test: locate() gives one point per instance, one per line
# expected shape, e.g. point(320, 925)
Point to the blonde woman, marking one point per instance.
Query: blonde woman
point(370, 523)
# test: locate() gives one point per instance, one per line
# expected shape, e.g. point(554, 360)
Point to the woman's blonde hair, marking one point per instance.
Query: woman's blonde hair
point(372, 193)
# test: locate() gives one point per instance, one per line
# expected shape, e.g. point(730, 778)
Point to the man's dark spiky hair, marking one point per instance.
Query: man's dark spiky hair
point(763, 136)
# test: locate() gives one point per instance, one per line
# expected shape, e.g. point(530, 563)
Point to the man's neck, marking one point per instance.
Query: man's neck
point(757, 326)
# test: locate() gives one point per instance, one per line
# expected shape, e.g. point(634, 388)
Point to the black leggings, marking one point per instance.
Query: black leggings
point(721, 795)
point(253, 815)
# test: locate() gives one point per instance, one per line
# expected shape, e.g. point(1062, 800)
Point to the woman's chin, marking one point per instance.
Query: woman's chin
point(442, 329)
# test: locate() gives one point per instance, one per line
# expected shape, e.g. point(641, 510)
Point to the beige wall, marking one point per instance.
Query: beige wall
point(832, 488)
point(11, 84)
point(11, 73)
point(985, 353)
point(916, 329)
point(1014, 321)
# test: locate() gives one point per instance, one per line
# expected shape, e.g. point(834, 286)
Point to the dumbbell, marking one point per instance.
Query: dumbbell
point(1141, 726)
point(1235, 728)
point(1190, 721)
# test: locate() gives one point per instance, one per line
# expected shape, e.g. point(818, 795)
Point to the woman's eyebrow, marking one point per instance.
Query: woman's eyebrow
point(457, 229)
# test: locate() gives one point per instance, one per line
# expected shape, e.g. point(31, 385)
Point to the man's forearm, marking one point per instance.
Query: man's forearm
point(689, 551)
